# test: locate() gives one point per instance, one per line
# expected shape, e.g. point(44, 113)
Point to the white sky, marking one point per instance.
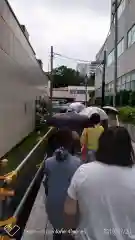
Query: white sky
point(76, 28)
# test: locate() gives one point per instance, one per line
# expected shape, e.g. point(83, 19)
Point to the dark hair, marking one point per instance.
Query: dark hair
point(104, 124)
point(115, 147)
point(94, 119)
point(64, 137)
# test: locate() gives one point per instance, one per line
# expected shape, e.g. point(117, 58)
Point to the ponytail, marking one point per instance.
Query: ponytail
point(61, 154)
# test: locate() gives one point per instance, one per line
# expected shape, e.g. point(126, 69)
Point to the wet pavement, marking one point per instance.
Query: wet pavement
point(38, 226)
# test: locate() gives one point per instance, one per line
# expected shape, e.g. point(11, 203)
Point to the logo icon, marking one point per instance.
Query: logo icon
point(11, 230)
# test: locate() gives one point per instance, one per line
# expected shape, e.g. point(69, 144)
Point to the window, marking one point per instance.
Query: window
point(121, 8)
point(133, 85)
point(110, 87)
point(119, 82)
point(73, 91)
point(128, 77)
point(123, 80)
point(122, 87)
point(120, 47)
point(110, 58)
point(133, 81)
point(118, 88)
point(133, 76)
point(128, 82)
point(80, 91)
point(131, 36)
point(128, 86)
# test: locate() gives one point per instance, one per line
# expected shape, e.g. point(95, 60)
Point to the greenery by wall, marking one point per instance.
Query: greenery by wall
point(127, 114)
point(125, 102)
point(123, 98)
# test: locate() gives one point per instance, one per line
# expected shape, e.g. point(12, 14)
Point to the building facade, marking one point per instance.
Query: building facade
point(78, 93)
point(83, 69)
point(86, 69)
point(126, 51)
point(21, 79)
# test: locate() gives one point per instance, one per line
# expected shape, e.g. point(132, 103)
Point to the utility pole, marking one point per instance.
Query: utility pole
point(103, 81)
point(51, 80)
point(86, 84)
point(115, 51)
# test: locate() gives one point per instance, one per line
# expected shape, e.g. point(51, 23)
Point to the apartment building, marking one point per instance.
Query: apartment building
point(86, 69)
point(83, 68)
point(126, 51)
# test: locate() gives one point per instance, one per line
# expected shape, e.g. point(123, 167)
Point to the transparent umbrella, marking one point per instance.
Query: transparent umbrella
point(91, 110)
point(76, 107)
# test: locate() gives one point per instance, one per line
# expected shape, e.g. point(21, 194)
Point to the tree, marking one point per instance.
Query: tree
point(64, 77)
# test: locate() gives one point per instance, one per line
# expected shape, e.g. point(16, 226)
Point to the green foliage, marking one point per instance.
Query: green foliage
point(64, 77)
point(127, 114)
point(132, 99)
point(123, 98)
point(19, 152)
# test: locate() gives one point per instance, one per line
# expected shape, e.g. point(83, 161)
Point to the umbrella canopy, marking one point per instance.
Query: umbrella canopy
point(91, 110)
point(111, 109)
point(70, 119)
point(76, 107)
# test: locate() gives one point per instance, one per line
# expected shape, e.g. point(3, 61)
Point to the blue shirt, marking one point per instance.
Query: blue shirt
point(59, 177)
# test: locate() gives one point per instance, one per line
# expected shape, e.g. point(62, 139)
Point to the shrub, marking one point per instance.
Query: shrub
point(127, 114)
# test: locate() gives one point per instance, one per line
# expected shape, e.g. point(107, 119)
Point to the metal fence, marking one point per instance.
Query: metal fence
point(17, 186)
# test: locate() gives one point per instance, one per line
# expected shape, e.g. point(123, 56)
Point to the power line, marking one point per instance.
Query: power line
point(73, 59)
point(84, 61)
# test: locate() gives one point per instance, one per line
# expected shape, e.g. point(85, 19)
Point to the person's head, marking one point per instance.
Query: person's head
point(115, 147)
point(94, 119)
point(64, 142)
point(104, 124)
point(64, 137)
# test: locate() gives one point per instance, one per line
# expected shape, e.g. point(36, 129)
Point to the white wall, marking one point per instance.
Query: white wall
point(20, 75)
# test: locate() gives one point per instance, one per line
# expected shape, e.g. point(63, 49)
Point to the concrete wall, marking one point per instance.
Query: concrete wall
point(126, 62)
point(20, 76)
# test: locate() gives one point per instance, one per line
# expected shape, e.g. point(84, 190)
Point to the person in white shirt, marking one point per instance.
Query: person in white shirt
point(104, 191)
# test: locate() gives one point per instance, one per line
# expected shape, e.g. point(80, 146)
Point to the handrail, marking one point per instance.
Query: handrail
point(19, 208)
point(11, 175)
point(8, 178)
point(13, 220)
point(31, 152)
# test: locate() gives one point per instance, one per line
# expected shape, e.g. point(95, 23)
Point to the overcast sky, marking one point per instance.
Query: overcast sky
point(76, 28)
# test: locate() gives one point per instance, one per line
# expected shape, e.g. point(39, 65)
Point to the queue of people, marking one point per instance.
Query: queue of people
point(92, 197)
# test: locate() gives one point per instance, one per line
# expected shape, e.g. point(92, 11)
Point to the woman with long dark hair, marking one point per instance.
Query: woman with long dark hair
point(105, 190)
point(59, 170)
point(115, 148)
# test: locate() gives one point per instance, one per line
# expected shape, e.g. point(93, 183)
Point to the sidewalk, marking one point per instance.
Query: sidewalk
point(38, 223)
